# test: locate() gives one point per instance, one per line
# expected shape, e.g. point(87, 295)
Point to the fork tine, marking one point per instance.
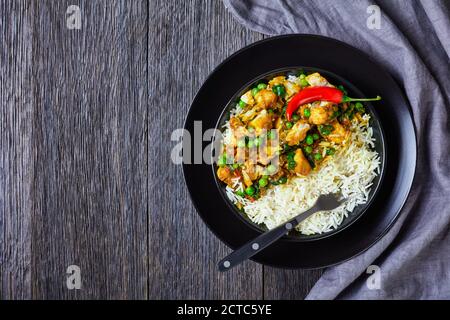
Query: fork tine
point(329, 201)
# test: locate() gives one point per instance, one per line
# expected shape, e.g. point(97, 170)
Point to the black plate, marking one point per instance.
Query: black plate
point(393, 112)
point(378, 135)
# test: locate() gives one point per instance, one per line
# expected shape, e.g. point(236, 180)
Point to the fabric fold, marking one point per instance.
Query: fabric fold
point(413, 43)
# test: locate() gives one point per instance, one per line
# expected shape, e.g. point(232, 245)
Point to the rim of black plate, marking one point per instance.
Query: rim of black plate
point(410, 181)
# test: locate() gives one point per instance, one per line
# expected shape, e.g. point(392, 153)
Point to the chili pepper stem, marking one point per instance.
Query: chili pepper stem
point(348, 99)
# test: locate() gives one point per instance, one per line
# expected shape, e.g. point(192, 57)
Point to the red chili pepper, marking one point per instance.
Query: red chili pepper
point(311, 94)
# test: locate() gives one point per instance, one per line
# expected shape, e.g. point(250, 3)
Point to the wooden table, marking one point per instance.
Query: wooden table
point(85, 171)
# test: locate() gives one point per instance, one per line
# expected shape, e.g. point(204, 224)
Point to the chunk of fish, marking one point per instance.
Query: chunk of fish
point(265, 98)
point(248, 98)
point(263, 121)
point(277, 80)
point(302, 166)
point(339, 133)
point(297, 133)
point(321, 112)
point(267, 153)
point(224, 173)
point(316, 80)
point(249, 114)
point(291, 88)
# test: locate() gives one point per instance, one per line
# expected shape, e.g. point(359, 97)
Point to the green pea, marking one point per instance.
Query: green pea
point(235, 165)
point(270, 111)
point(241, 143)
point(316, 136)
point(317, 156)
point(308, 149)
point(263, 182)
point(279, 90)
point(222, 160)
point(286, 148)
point(240, 193)
point(272, 134)
point(307, 112)
point(250, 190)
point(242, 104)
point(309, 139)
point(359, 107)
point(271, 169)
point(282, 180)
point(288, 124)
point(255, 91)
point(304, 82)
point(295, 117)
point(326, 130)
point(291, 164)
point(330, 151)
point(335, 114)
point(261, 86)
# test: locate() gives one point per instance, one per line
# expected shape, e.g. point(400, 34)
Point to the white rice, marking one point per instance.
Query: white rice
point(350, 171)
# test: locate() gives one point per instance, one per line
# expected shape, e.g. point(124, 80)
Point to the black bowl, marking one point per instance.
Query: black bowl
point(393, 113)
point(377, 134)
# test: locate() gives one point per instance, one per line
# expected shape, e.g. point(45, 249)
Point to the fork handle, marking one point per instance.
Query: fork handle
point(251, 248)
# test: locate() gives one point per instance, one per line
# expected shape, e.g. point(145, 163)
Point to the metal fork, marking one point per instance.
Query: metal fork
point(248, 250)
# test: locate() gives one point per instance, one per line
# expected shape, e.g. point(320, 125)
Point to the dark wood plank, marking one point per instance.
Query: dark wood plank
point(289, 284)
point(90, 187)
point(84, 176)
point(16, 164)
point(187, 39)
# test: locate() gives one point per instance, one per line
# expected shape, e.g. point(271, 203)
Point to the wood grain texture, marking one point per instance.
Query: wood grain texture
point(187, 39)
point(289, 284)
point(16, 164)
point(90, 187)
point(85, 172)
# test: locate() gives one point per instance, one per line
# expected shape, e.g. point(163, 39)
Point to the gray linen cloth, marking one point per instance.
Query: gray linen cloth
point(413, 43)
